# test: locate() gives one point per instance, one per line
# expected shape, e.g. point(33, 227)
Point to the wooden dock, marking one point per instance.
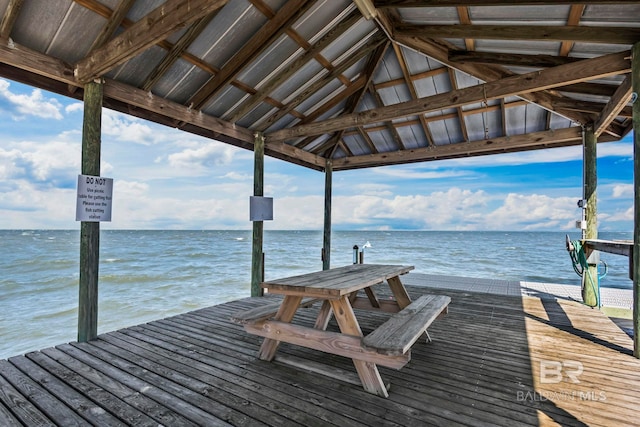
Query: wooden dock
point(494, 360)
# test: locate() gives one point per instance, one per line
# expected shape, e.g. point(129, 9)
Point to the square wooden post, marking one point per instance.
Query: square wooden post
point(257, 266)
point(635, 78)
point(90, 231)
point(590, 282)
point(326, 245)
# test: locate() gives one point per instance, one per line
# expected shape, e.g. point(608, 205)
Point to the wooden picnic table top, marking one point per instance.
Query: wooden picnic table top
point(336, 282)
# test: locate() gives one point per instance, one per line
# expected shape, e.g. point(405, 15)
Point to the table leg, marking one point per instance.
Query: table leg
point(402, 297)
point(399, 292)
point(324, 315)
point(367, 371)
point(285, 313)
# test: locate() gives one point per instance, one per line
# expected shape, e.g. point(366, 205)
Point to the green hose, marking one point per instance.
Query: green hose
point(580, 265)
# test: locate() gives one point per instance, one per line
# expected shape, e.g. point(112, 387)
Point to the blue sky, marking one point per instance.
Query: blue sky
point(168, 179)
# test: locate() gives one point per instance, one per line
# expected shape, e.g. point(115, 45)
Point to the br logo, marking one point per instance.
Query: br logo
point(553, 372)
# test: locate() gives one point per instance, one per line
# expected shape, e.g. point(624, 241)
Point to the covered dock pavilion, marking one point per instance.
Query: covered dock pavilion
point(337, 85)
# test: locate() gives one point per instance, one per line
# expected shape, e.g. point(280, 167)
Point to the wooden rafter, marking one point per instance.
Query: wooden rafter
point(589, 88)
point(412, 90)
point(448, 116)
point(155, 26)
point(608, 35)
point(177, 50)
point(355, 99)
point(355, 87)
point(388, 125)
point(465, 19)
point(575, 14)
point(584, 70)
point(263, 38)
point(112, 24)
point(9, 18)
point(590, 106)
point(295, 65)
point(314, 87)
point(439, 50)
point(499, 58)
point(454, 86)
point(616, 104)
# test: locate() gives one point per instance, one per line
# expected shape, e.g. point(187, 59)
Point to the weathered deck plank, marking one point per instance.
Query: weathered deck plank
point(485, 366)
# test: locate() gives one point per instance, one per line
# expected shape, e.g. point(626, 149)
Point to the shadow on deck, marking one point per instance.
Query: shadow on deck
point(495, 360)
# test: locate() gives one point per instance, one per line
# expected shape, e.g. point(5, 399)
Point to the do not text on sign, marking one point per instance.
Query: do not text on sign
point(93, 203)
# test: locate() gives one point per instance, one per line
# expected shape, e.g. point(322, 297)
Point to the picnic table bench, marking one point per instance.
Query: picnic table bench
point(388, 345)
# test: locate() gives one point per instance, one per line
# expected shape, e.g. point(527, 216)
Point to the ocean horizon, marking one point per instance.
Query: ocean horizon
point(147, 275)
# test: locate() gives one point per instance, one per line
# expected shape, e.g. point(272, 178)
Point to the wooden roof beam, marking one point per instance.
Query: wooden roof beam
point(575, 15)
point(497, 58)
point(113, 23)
point(265, 36)
point(319, 84)
point(295, 65)
point(584, 70)
point(439, 50)
point(616, 104)
point(9, 18)
point(155, 26)
point(465, 19)
point(412, 90)
point(535, 140)
point(177, 50)
point(608, 35)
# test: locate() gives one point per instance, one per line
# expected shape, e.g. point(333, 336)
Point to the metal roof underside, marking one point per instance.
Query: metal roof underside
point(407, 81)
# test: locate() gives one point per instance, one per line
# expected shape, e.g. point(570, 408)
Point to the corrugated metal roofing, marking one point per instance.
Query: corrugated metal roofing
point(316, 80)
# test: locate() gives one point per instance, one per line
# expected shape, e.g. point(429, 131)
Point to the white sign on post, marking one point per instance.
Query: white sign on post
point(260, 208)
point(93, 203)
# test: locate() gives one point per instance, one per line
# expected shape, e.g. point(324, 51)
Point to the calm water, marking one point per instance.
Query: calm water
point(147, 275)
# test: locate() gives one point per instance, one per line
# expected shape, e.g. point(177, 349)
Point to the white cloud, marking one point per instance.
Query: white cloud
point(34, 104)
point(531, 212)
point(126, 128)
point(29, 205)
point(626, 215)
point(622, 190)
point(205, 157)
point(40, 161)
point(413, 172)
point(454, 208)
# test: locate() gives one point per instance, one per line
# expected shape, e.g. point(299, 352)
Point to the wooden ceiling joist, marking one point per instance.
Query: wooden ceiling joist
point(112, 24)
point(177, 50)
point(608, 35)
point(439, 50)
point(295, 65)
point(584, 70)
point(553, 138)
point(9, 18)
point(498, 58)
point(155, 26)
point(265, 36)
point(616, 104)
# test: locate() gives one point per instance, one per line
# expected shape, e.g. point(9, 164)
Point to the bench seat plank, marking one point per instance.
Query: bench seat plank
point(402, 330)
point(264, 312)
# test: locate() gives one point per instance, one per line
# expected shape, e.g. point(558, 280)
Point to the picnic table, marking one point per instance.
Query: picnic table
point(388, 345)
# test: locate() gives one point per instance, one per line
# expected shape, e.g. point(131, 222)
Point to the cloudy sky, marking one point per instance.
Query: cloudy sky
point(168, 179)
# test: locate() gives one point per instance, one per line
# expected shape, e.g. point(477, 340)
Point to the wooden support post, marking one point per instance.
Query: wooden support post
point(90, 231)
point(635, 73)
point(590, 283)
point(257, 264)
point(326, 245)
